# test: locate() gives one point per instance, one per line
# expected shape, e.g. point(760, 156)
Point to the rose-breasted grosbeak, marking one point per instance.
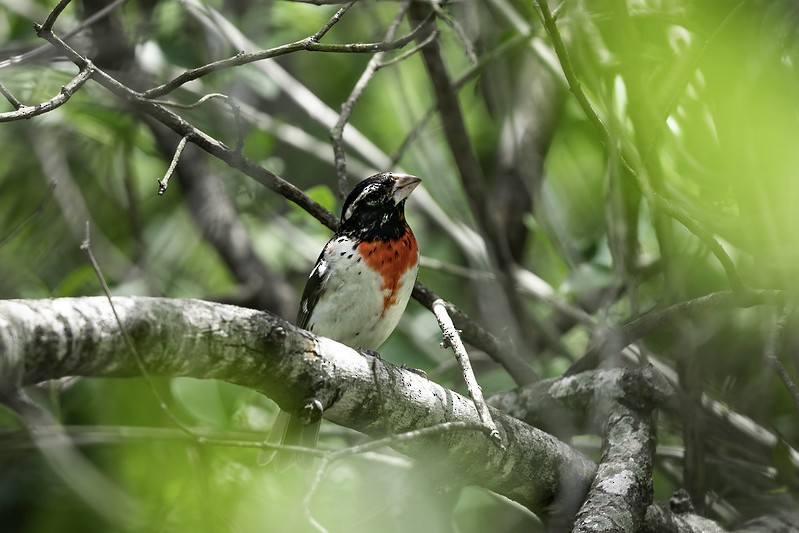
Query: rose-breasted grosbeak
point(359, 287)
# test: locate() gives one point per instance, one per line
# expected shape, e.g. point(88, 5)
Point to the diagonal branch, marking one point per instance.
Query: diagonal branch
point(452, 340)
point(198, 137)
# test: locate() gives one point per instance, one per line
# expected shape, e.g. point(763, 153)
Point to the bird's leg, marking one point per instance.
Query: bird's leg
point(417, 371)
point(368, 352)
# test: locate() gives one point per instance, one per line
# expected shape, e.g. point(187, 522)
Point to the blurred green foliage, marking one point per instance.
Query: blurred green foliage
point(699, 97)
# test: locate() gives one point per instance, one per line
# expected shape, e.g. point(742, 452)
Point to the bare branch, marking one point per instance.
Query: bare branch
point(163, 183)
point(452, 340)
point(316, 37)
point(16, 104)
point(66, 92)
point(36, 212)
point(308, 44)
point(51, 18)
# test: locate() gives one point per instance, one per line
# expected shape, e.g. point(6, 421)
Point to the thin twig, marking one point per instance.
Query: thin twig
point(458, 29)
point(86, 247)
point(771, 349)
point(618, 338)
point(568, 70)
point(347, 107)
point(198, 137)
point(307, 44)
point(163, 183)
point(10, 97)
point(51, 18)
point(472, 72)
point(385, 442)
point(316, 37)
point(36, 212)
point(502, 352)
point(452, 340)
point(13, 60)
point(199, 102)
point(409, 52)
point(235, 108)
point(66, 92)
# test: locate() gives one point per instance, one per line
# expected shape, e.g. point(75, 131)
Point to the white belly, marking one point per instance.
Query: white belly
point(349, 310)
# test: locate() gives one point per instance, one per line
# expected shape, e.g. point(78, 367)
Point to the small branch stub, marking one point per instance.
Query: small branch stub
point(163, 183)
point(452, 340)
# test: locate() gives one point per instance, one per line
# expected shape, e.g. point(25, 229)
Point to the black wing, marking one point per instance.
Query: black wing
point(314, 288)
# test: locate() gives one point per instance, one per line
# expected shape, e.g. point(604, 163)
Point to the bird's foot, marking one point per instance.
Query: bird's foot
point(368, 352)
point(416, 371)
point(311, 412)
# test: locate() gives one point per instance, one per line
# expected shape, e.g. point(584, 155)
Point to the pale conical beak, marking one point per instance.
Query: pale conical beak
point(404, 184)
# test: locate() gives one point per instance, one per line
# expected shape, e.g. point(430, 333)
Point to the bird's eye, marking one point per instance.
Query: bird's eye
point(370, 196)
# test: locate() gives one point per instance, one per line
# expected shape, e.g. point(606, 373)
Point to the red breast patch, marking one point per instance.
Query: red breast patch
point(391, 259)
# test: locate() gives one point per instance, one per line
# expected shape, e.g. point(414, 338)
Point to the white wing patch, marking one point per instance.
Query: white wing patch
point(320, 268)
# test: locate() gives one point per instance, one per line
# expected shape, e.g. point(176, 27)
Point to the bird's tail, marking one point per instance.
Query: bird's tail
point(290, 431)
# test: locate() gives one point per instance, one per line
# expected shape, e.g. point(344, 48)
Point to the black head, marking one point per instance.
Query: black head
point(376, 206)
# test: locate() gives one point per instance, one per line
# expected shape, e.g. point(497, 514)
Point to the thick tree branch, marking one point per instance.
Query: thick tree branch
point(48, 339)
point(622, 489)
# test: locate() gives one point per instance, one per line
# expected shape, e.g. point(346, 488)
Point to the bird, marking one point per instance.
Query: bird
point(357, 291)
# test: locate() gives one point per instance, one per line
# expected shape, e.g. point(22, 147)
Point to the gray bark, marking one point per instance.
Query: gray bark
point(49, 339)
